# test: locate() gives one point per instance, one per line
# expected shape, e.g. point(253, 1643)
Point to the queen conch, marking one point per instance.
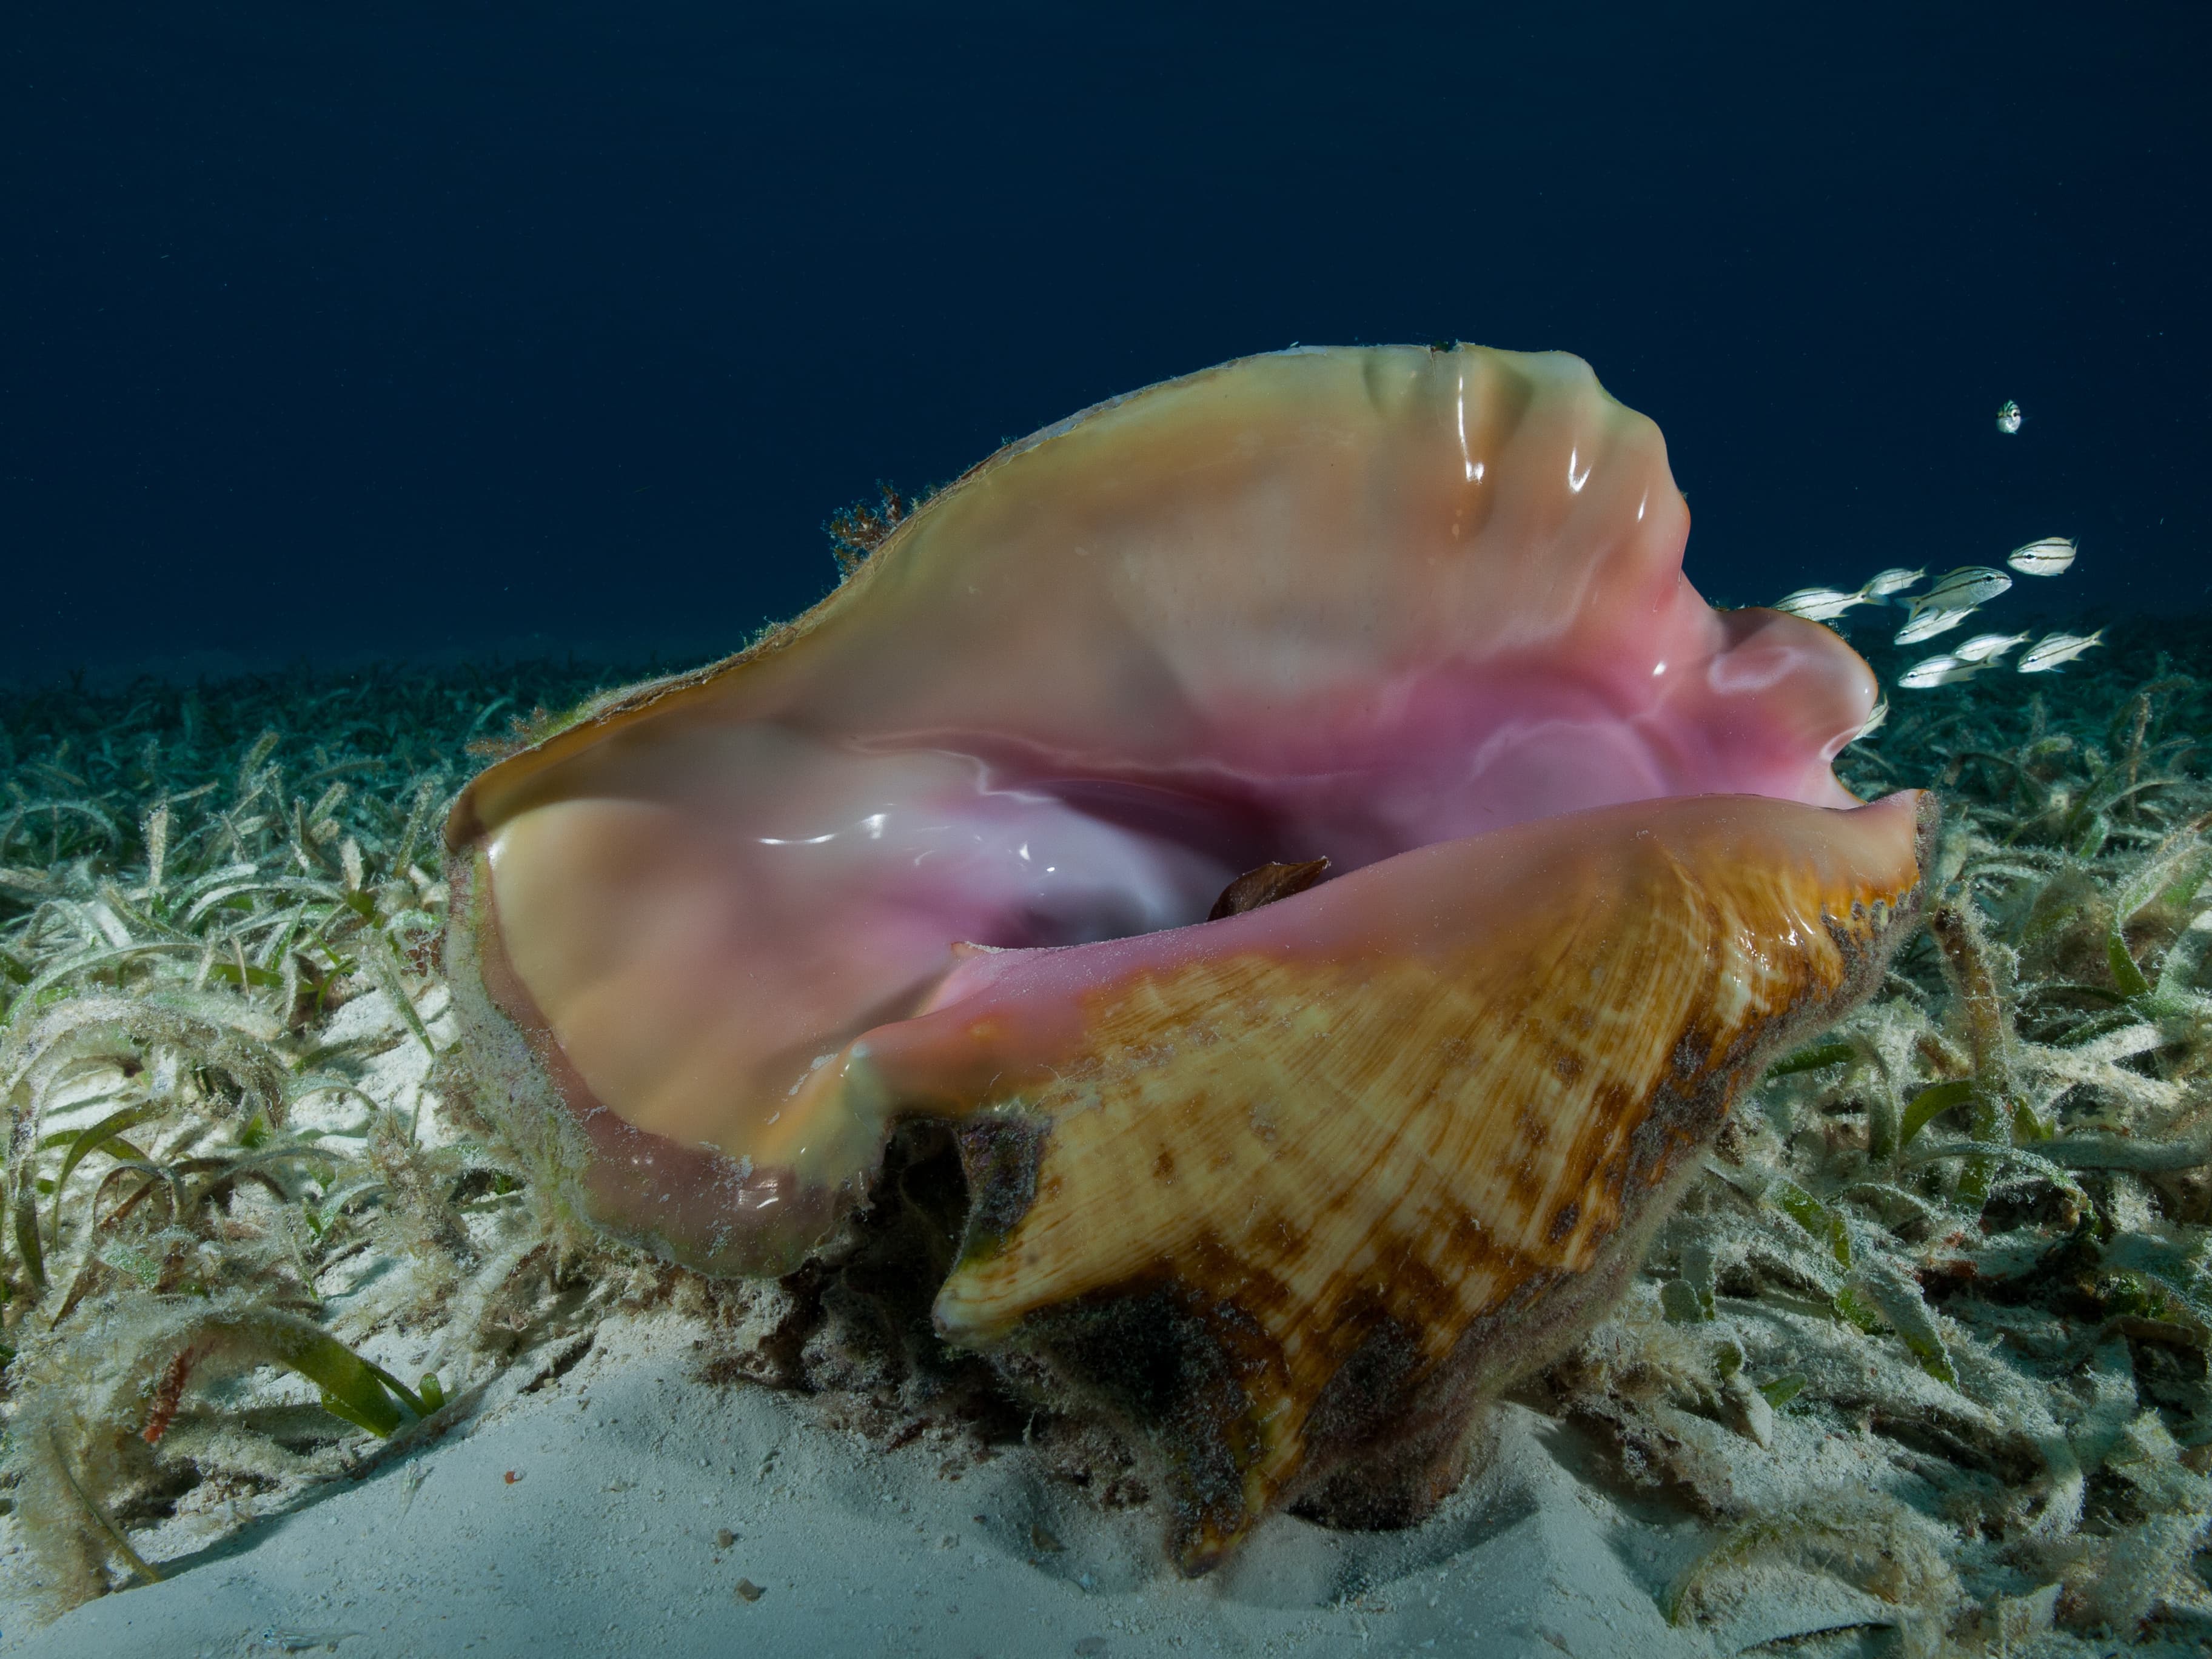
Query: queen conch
point(1288, 1191)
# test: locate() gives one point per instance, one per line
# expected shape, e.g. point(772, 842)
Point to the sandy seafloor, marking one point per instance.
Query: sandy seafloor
point(587, 1517)
point(595, 1491)
point(577, 1504)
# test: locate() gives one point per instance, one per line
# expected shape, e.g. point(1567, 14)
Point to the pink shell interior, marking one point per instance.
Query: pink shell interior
point(1346, 603)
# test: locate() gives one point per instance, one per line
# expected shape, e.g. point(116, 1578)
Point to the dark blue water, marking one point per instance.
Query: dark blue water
point(422, 327)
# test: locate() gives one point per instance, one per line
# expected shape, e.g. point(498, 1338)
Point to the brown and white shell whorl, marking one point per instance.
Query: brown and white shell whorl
point(1292, 1200)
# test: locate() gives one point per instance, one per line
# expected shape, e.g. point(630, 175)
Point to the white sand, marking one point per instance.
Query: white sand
point(628, 1469)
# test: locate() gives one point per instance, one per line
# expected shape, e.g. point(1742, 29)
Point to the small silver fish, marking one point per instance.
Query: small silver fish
point(2054, 651)
point(1937, 671)
point(1926, 623)
point(1873, 721)
point(1818, 604)
point(2008, 417)
point(1987, 648)
point(2048, 558)
point(1970, 584)
point(1883, 583)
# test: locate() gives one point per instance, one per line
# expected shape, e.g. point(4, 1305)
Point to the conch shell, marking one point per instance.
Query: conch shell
point(1289, 1190)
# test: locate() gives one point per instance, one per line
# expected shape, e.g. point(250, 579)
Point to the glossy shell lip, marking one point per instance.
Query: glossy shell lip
point(1318, 603)
point(949, 848)
point(692, 1204)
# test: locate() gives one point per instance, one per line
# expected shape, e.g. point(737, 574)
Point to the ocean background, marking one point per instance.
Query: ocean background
point(467, 330)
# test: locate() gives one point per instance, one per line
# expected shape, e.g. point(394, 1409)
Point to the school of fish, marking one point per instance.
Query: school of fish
point(1955, 596)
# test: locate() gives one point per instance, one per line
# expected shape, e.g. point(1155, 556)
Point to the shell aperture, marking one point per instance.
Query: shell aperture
point(945, 849)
